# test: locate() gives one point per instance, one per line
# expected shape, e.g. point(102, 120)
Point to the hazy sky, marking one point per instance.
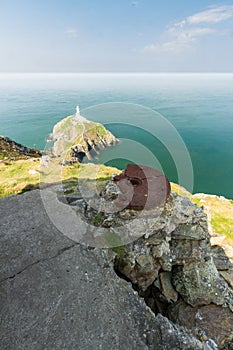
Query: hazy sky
point(116, 36)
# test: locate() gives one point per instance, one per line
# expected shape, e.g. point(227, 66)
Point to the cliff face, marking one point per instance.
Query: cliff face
point(11, 150)
point(57, 294)
point(75, 138)
point(166, 253)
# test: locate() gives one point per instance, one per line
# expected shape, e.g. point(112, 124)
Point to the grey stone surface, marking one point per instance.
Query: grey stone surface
point(173, 261)
point(57, 294)
point(217, 321)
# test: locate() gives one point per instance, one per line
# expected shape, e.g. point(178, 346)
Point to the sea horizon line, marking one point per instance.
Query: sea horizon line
point(112, 73)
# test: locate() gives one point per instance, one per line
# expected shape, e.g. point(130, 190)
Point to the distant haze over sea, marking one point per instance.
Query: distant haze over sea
point(200, 106)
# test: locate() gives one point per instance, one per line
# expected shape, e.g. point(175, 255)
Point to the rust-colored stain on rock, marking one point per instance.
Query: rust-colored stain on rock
point(141, 188)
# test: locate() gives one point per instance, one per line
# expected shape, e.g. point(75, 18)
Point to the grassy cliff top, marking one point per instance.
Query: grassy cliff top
point(219, 211)
point(24, 174)
point(81, 124)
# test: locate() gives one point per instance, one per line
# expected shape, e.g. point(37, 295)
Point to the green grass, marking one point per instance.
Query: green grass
point(97, 218)
point(120, 250)
point(180, 190)
point(66, 125)
point(63, 124)
point(219, 210)
point(15, 176)
point(101, 130)
point(88, 171)
point(222, 225)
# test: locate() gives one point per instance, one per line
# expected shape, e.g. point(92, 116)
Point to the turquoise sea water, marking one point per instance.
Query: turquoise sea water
point(199, 106)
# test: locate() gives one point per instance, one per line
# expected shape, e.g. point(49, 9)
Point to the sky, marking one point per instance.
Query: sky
point(116, 36)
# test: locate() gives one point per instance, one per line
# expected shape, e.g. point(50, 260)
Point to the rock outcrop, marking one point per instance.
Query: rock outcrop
point(11, 150)
point(169, 261)
point(76, 137)
point(57, 294)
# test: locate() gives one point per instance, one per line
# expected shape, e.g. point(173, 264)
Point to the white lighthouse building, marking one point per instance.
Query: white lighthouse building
point(77, 111)
point(78, 115)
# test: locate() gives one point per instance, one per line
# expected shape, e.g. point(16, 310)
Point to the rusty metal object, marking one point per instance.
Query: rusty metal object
point(141, 188)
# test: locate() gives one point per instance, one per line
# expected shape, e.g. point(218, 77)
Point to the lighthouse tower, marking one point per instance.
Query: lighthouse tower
point(77, 111)
point(79, 117)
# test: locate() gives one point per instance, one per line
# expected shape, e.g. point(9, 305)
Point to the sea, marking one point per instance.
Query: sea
point(179, 123)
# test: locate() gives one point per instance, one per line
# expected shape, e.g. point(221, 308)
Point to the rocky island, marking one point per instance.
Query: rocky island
point(142, 277)
point(75, 137)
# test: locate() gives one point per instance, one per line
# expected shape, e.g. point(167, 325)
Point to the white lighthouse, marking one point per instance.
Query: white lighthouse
point(77, 111)
point(78, 115)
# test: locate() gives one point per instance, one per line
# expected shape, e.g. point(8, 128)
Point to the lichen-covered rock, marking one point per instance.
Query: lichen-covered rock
point(221, 260)
point(166, 255)
point(140, 270)
point(110, 192)
point(210, 321)
point(167, 288)
point(228, 276)
point(170, 257)
point(200, 283)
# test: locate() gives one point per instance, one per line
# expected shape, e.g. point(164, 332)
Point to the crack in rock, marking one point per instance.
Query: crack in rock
point(60, 251)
